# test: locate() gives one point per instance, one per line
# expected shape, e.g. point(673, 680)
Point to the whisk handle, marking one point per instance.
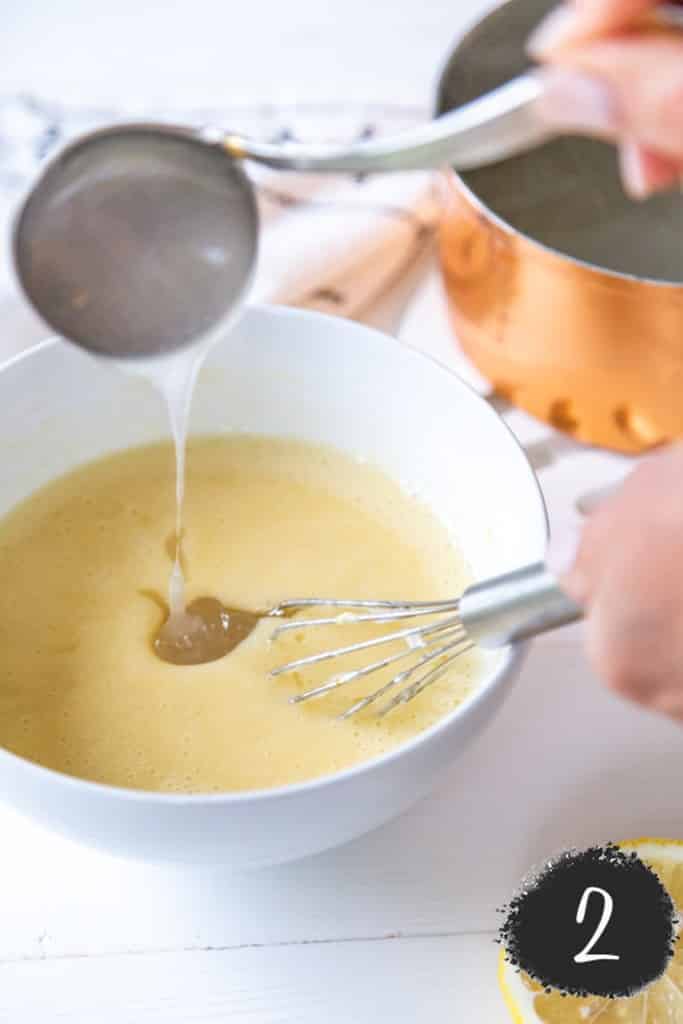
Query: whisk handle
point(515, 606)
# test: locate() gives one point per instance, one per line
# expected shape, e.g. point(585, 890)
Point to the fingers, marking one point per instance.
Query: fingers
point(627, 576)
point(613, 530)
point(628, 652)
point(614, 82)
point(623, 88)
point(644, 171)
point(582, 577)
point(573, 23)
point(633, 634)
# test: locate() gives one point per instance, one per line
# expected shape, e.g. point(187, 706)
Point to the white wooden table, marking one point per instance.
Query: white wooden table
point(399, 925)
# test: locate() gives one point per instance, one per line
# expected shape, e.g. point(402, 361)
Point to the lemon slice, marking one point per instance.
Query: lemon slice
point(660, 1003)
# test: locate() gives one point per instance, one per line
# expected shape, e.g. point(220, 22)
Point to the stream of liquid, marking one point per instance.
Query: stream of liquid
point(204, 630)
point(174, 377)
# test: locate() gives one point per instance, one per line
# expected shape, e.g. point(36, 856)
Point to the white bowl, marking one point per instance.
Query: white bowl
point(292, 374)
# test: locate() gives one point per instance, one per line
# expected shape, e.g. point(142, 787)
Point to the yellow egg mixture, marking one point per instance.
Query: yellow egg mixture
point(85, 567)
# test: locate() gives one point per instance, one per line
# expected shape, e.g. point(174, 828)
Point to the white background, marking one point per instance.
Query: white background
point(398, 926)
point(269, 50)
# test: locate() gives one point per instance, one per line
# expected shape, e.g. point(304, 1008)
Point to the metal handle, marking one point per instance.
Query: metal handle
point(515, 606)
point(496, 126)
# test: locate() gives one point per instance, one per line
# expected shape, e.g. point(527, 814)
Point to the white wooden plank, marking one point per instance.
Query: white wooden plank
point(398, 981)
point(225, 51)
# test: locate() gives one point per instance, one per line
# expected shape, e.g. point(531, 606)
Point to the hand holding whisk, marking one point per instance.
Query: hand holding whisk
point(493, 613)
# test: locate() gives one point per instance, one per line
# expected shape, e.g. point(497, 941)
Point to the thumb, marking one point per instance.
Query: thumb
point(643, 171)
point(566, 537)
point(563, 547)
point(629, 87)
point(572, 23)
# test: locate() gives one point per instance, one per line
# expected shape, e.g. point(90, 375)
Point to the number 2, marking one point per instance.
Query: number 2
point(585, 956)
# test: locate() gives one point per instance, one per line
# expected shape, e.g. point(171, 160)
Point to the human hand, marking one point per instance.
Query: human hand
point(611, 74)
point(628, 576)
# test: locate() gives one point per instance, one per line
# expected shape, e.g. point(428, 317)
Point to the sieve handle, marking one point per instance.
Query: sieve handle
point(518, 605)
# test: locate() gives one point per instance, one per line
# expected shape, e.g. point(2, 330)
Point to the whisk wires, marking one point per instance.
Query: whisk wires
point(432, 647)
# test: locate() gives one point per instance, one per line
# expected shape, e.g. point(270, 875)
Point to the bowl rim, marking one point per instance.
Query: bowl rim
point(614, 277)
point(513, 655)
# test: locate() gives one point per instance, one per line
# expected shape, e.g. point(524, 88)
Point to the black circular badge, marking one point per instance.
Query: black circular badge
point(597, 922)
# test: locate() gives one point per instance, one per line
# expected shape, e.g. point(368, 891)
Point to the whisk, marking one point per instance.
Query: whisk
point(494, 613)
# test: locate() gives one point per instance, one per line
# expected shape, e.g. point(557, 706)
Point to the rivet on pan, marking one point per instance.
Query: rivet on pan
point(503, 390)
point(562, 416)
point(636, 426)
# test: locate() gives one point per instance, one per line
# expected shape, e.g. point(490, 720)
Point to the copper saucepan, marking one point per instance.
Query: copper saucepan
point(566, 294)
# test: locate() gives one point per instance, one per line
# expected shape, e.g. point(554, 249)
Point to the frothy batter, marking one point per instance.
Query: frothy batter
point(81, 688)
